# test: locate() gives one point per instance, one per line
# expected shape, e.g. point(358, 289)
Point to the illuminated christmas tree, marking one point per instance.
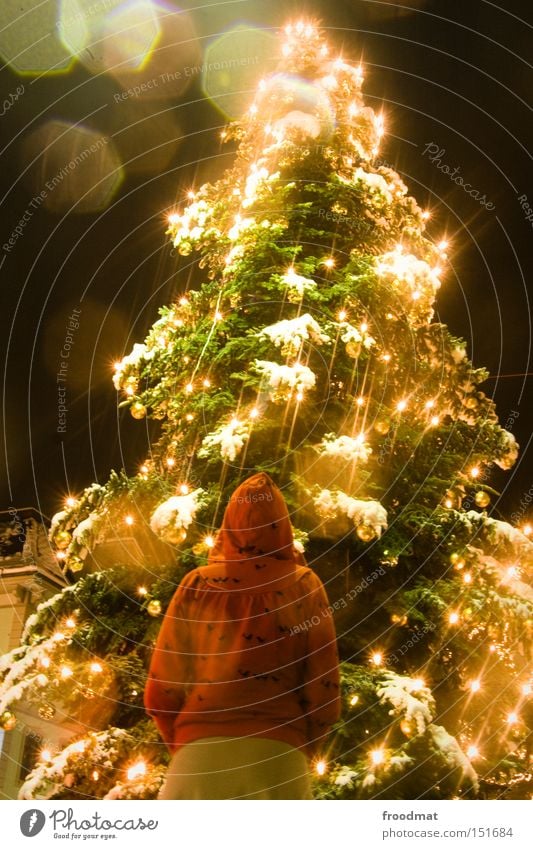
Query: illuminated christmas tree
point(305, 347)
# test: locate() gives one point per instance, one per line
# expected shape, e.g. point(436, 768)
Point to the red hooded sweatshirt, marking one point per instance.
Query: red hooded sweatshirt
point(247, 647)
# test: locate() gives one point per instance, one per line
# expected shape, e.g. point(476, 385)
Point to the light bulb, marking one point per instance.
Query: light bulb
point(364, 327)
point(377, 658)
point(184, 489)
point(360, 401)
point(512, 718)
point(209, 541)
point(45, 662)
point(467, 577)
point(527, 530)
point(70, 623)
point(61, 555)
point(342, 315)
point(475, 686)
point(377, 756)
point(66, 671)
point(320, 767)
point(189, 388)
point(46, 755)
point(183, 302)
point(136, 770)
point(170, 461)
point(329, 262)
point(401, 406)
point(95, 775)
point(254, 412)
point(474, 472)
point(129, 520)
point(173, 218)
point(426, 214)
point(70, 502)
point(434, 420)
point(443, 245)
point(386, 358)
point(453, 618)
point(419, 683)
point(96, 667)
point(472, 752)
point(189, 417)
point(354, 700)
point(142, 590)
point(206, 382)
point(526, 689)
point(144, 469)
point(429, 404)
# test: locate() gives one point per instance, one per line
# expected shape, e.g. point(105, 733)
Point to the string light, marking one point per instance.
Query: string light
point(401, 406)
point(70, 623)
point(61, 555)
point(472, 752)
point(419, 683)
point(254, 412)
point(512, 718)
point(190, 194)
point(354, 700)
point(364, 327)
point(386, 358)
point(475, 686)
point(173, 218)
point(189, 417)
point(342, 315)
point(46, 755)
point(320, 767)
point(360, 401)
point(144, 469)
point(474, 472)
point(526, 689)
point(184, 489)
point(58, 636)
point(45, 662)
point(429, 404)
point(129, 520)
point(453, 618)
point(66, 671)
point(142, 591)
point(209, 541)
point(206, 382)
point(183, 302)
point(377, 756)
point(189, 388)
point(96, 667)
point(170, 462)
point(95, 775)
point(377, 658)
point(136, 770)
point(329, 262)
point(527, 530)
point(70, 502)
point(467, 577)
point(426, 214)
point(443, 245)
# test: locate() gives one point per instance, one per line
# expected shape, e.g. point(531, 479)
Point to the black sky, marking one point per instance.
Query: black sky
point(455, 74)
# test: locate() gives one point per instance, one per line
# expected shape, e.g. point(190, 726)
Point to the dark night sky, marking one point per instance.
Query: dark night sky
point(450, 73)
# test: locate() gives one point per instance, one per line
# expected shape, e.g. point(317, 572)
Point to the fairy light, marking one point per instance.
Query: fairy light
point(443, 245)
point(299, 396)
point(329, 262)
point(209, 541)
point(360, 401)
point(58, 636)
point(377, 658)
point(426, 214)
point(96, 667)
point(467, 577)
point(342, 315)
point(173, 218)
point(61, 555)
point(71, 622)
point(453, 618)
point(512, 572)
point(253, 109)
point(184, 489)
point(526, 689)
point(66, 671)
point(527, 530)
point(117, 366)
point(419, 683)
point(377, 756)
point(136, 770)
point(474, 472)
point(189, 417)
point(70, 502)
point(45, 662)
point(45, 755)
point(170, 462)
point(183, 302)
point(475, 686)
point(206, 383)
point(189, 388)
point(364, 327)
point(320, 767)
point(144, 469)
point(434, 420)
point(512, 718)
point(218, 316)
point(142, 591)
point(129, 520)
point(254, 412)
point(130, 390)
point(95, 775)
point(190, 194)
point(472, 752)
point(401, 405)
point(386, 358)
point(354, 700)
point(448, 503)
point(429, 404)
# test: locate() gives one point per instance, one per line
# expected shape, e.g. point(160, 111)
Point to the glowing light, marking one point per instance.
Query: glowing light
point(329, 262)
point(66, 671)
point(136, 770)
point(527, 530)
point(184, 489)
point(79, 746)
point(189, 417)
point(377, 756)
point(512, 718)
point(183, 302)
point(142, 590)
point(377, 658)
point(218, 316)
point(170, 462)
point(70, 623)
point(434, 420)
point(354, 700)
point(386, 358)
point(299, 396)
point(61, 555)
point(448, 503)
point(173, 218)
point(467, 577)
point(254, 412)
point(475, 686)
point(360, 401)
point(364, 327)
point(45, 662)
point(443, 245)
point(253, 109)
point(70, 502)
point(130, 391)
point(419, 683)
point(342, 315)
point(401, 406)
point(191, 195)
point(96, 667)
point(320, 767)
point(95, 775)
point(129, 520)
point(512, 572)
point(58, 636)
point(209, 541)
point(426, 214)
point(46, 755)
point(189, 388)
point(144, 469)
point(474, 472)
point(472, 752)
point(526, 689)
point(206, 382)
point(453, 618)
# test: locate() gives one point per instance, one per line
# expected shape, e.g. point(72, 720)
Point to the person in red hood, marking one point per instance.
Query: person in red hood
point(243, 683)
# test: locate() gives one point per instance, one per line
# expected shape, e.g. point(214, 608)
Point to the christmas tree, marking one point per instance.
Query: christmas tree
point(304, 344)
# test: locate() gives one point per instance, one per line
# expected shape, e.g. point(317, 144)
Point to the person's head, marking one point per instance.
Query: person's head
point(256, 522)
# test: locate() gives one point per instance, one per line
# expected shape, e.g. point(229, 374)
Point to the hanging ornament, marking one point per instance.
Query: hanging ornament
point(353, 349)
point(75, 564)
point(482, 498)
point(8, 720)
point(184, 248)
point(366, 532)
point(407, 727)
point(154, 607)
point(47, 711)
point(62, 539)
point(382, 426)
point(138, 410)
point(175, 535)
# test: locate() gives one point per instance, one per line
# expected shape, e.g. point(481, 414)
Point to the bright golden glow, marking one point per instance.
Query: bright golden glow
point(527, 530)
point(342, 315)
point(142, 590)
point(254, 412)
point(136, 770)
point(96, 667)
point(474, 472)
point(354, 700)
point(401, 406)
point(377, 756)
point(320, 767)
point(129, 520)
point(66, 671)
point(512, 718)
point(475, 686)
point(419, 683)
point(209, 541)
point(95, 775)
point(329, 262)
point(377, 658)
point(70, 502)
point(472, 752)
point(467, 577)
point(70, 623)
point(434, 420)
point(453, 618)
point(170, 461)
point(526, 689)
point(46, 755)
point(184, 489)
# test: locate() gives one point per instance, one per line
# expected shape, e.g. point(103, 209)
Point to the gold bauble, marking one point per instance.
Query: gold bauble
point(365, 532)
point(8, 720)
point(47, 711)
point(353, 349)
point(138, 410)
point(62, 539)
point(75, 564)
point(154, 607)
point(482, 498)
point(381, 426)
point(407, 727)
point(454, 558)
point(185, 248)
point(175, 535)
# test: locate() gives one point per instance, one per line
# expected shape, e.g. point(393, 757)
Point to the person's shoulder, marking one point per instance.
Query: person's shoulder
point(309, 577)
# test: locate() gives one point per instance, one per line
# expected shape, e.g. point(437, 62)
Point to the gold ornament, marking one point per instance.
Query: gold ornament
point(381, 426)
point(185, 248)
point(138, 410)
point(8, 720)
point(75, 564)
point(482, 498)
point(154, 607)
point(366, 532)
point(353, 349)
point(175, 535)
point(47, 711)
point(62, 539)
point(398, 620)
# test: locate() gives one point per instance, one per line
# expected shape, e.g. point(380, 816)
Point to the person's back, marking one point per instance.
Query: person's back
point(247, 649)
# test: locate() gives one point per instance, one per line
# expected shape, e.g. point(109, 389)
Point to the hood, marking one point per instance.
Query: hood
point(255, 540)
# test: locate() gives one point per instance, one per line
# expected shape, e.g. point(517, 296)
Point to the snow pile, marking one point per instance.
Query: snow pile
point(290, 334)
point(352, 334)
point(453, 754)
point(284, 379)
point(190, 225)
point(410, 699)
point(130, 363)
point(412, 277)
point(86, 533)
point(297, 285)
point(509, 451)
point(175, 514)
point(375, 183)
point(227, 440)
point(347, 448)
point(330, 503)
